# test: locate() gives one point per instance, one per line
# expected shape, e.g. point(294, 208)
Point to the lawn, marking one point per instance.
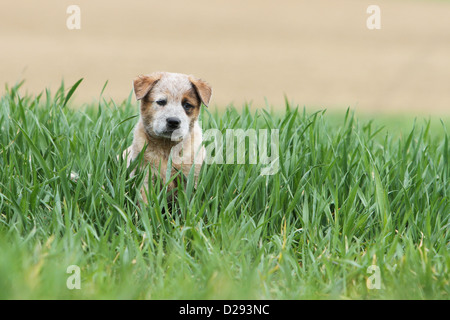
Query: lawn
point(351, 199)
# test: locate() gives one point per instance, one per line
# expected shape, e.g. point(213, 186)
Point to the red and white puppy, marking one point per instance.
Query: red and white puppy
point(169, 108)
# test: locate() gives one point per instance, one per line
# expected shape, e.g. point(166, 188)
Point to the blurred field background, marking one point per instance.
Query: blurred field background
point(319, 54)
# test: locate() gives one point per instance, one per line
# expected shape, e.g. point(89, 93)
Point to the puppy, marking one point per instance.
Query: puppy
point(168, 124)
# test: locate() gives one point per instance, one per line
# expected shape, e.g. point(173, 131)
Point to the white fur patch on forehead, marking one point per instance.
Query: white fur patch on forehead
point(172, 84)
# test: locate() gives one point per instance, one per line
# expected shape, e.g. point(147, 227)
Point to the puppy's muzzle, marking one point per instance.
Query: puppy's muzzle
point(173, 123)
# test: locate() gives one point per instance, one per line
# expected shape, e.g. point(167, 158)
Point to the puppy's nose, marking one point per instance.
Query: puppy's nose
point(173, 122)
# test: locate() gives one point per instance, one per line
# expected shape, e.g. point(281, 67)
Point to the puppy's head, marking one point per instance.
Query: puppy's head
point(170, 103)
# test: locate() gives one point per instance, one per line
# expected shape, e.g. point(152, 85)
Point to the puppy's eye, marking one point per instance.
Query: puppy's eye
point(187, 106)
point(161, 102)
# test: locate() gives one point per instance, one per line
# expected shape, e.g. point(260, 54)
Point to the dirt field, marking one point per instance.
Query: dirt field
point(319, 53)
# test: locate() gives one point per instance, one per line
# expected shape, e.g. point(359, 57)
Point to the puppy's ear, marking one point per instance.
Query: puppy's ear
point(203, 89)
point(143, 84)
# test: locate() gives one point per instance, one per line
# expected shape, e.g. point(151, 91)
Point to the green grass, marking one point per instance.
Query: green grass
point(349, 194)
